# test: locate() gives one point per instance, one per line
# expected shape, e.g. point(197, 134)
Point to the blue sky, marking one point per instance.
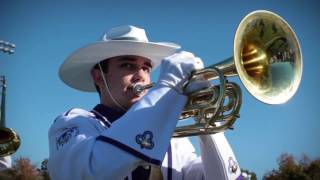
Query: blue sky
point(46, 32)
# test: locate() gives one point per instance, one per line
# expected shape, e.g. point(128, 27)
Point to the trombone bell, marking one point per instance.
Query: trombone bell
point(9, 141)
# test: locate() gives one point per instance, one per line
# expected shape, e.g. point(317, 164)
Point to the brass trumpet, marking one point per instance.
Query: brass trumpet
point(267, 58)
point(9, 139)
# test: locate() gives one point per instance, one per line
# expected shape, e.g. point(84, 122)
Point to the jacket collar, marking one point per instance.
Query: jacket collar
point(109, 113)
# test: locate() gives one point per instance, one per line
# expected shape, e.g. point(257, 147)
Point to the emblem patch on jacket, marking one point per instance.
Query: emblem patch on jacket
point(66, 136)
point(145, 140)
point(233, 166)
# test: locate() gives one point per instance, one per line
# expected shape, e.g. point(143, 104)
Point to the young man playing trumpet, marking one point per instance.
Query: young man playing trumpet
point(128, 136)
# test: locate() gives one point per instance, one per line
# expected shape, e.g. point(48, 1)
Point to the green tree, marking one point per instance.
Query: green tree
point(23, 169)
point(291, 169)
point(250, 174)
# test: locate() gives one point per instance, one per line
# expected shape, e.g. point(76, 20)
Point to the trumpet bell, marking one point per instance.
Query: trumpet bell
point(267, 57)
point(9, 142)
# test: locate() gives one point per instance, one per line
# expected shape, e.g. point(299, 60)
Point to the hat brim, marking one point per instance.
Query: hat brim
point(76, 69)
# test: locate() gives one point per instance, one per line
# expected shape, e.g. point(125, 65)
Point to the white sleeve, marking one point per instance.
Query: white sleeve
point(192, 168)
point(5, 162)
point(78, 149)
point(218, 159)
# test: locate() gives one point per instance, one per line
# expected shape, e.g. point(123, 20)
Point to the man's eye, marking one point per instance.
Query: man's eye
point(147, 69)
point(127, 65)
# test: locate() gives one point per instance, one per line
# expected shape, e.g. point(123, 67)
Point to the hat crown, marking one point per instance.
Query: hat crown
point(127, 33)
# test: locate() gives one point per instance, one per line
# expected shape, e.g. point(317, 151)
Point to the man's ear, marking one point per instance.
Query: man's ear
point(96, 76)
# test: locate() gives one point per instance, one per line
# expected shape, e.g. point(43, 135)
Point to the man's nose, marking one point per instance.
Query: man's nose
point(139, 75)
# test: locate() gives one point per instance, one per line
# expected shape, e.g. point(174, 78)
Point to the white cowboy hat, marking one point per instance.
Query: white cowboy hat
point(123, 40)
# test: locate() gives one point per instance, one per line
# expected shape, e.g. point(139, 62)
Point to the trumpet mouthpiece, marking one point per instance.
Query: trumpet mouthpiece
point(138, 88)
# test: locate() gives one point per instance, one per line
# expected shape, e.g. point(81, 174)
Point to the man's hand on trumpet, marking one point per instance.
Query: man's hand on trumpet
point(176, 70)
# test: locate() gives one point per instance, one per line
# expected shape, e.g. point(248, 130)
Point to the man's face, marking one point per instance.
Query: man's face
point(122, 73)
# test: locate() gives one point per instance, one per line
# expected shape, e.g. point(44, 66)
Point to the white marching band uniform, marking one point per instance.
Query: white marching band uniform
point(5, 162)
point(83, 146)
point(90, 145)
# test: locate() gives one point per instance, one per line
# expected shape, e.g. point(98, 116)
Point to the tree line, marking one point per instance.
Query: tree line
point(289, 168)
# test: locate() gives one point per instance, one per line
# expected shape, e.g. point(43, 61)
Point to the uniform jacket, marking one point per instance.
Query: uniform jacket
point(107, 144)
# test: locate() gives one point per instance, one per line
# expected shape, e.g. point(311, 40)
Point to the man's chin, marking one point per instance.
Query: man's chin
point(135, 99)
